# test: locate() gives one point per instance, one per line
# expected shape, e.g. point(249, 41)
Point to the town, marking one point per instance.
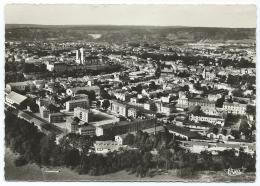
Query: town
point(156, 102)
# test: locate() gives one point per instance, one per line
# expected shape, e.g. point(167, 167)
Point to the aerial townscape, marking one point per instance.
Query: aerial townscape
point(151, 103)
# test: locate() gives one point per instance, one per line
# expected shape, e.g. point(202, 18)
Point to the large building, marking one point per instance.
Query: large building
point(124, 127)
point(82, 114)
point(82, 103)
point(119, 108)
point(209, 119)
point(19, 86)
point(14, 99)
point(202, 103)
point(235, 108)
point(73, 91)
point(56, 118)
point(87, 130)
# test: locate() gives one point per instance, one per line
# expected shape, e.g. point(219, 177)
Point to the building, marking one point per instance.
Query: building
point(14, 99)
point(56, 118)
point(214, 97)
point(132, 112)
point(72, 125)
point(43, 102)
point(207, 75)
point(59, 67)
point(124, 127)
point(19, 86)
point(87, 129)
point(235, 108)
point(194, 146)
point(73, 91)
point(119, 108)
point(121, 95)
point(213, 147)
point(44, 112)
point(212, 111)
point(82, 103)
point(82, 114)
point(183, 102)
point(201, 102)
point(183, 133)
point(103, 147)
point(209, 119)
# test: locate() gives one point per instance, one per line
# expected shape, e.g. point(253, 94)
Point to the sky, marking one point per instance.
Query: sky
point(238, 16)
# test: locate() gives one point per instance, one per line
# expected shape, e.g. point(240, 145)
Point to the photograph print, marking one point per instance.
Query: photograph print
point(130, 93)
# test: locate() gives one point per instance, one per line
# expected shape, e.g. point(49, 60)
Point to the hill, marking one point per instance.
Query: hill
point(119, 34)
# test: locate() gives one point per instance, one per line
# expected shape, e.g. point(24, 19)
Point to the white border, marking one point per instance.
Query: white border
point(4, 2)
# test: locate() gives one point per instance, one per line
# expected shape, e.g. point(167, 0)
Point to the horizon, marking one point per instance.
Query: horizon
point(177, 26)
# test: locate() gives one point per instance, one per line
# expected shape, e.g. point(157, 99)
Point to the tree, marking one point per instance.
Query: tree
point(251, 110)
point(244, 127)
point(53, 108)
point(219, 102)
point(91, 94)
point(185, 88)
point(237, 93)
point(153, 107)
point(197, 110)
point(152, 85)
point(98, 103)
point(106, 104)
point(129, 139)
point(158, 72)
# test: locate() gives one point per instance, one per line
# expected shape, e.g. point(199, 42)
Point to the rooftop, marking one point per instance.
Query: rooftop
point(16, 98)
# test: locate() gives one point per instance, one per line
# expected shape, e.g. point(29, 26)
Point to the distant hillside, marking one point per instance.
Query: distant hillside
point(127, 33)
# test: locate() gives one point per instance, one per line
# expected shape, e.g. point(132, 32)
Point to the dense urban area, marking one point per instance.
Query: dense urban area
point(99, 100)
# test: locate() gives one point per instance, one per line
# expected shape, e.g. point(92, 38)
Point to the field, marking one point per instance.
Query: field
point(32, 172)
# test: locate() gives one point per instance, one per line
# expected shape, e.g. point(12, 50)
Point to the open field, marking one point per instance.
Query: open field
point(32, 172)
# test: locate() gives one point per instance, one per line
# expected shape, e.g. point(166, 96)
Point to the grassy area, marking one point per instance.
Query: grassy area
point(32, 172)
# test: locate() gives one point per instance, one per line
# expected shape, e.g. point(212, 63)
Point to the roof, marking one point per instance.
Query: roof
point(89, 88)
point(197, 143)
point(24, 83)
point(183, 131)
point(234, 104)
point(106, 144)
point(16, 98)
point(87, 126)
point(25, 116)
